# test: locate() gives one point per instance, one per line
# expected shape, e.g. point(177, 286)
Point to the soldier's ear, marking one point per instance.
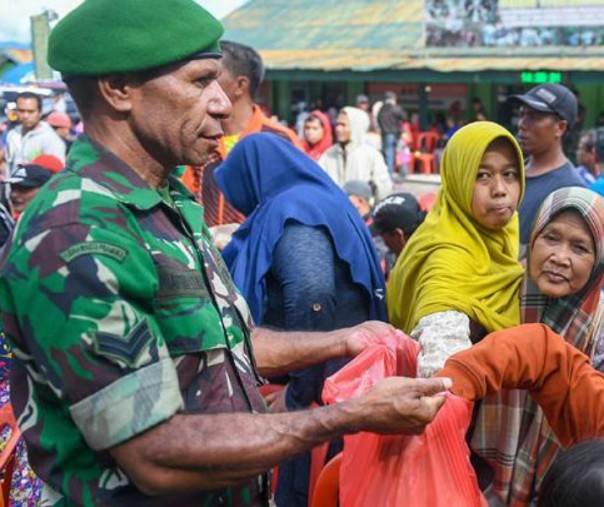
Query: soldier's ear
point(116, 90)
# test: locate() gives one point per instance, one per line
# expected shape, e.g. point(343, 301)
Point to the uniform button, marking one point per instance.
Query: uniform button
point(316, 307)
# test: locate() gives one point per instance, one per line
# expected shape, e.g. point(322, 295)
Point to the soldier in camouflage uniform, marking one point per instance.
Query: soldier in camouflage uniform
point(134, 381)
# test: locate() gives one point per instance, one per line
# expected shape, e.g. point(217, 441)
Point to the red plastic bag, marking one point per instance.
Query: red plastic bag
point(428, 470)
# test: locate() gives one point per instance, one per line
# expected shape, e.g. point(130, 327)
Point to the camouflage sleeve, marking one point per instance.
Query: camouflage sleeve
point(77, 304)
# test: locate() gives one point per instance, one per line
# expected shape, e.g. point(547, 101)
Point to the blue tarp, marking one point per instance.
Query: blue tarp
point(19, 74)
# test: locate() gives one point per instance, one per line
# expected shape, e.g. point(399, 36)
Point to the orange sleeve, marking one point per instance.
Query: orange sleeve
point(558, 377)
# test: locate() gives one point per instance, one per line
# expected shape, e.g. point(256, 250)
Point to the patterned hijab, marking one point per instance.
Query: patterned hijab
point(453, 263)
point(572, 316)
point(511, 432)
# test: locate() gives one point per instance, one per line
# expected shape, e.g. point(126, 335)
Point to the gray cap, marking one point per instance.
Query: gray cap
point(359, 188)
point(552, 98)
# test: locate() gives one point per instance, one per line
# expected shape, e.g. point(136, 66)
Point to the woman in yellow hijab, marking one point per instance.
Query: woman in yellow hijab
point(458, 277)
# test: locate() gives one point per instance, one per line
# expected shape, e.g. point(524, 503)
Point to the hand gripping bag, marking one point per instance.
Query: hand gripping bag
point(428, 470)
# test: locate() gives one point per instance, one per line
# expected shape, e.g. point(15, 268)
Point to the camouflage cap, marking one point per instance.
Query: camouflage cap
point(106, 36)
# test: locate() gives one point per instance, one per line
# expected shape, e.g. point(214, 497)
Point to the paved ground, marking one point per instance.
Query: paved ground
point(418, 184)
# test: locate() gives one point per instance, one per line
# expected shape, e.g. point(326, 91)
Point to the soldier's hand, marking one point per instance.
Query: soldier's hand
point(402, 405)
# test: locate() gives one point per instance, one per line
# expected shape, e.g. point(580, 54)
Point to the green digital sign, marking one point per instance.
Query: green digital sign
point(540, 76)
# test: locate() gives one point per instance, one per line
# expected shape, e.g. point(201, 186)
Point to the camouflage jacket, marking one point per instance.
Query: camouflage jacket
point(120, 313)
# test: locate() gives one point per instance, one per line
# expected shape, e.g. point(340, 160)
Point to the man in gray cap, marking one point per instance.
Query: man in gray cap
point(547, 112)
point(134, 380)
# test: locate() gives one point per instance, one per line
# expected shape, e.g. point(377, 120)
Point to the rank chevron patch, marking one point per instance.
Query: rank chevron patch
point(125, 349)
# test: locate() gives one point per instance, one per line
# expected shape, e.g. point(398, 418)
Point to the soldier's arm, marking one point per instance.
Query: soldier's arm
point(279, 352)
point(191, 452)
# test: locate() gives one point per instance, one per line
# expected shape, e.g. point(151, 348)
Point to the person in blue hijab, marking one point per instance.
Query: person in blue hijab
point(303, 259)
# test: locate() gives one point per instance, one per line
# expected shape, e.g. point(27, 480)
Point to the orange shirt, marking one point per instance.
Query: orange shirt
point(558, 376)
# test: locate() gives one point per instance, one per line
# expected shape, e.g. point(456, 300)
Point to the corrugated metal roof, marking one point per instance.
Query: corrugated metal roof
point(333, 24)
point(369, 35)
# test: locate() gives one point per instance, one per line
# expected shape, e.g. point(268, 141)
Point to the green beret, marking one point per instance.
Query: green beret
point(115, 36)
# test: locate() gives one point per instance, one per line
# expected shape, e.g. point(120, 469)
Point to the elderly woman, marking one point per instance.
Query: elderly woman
point(303, 259)
point(561, 289)
point(458, 277)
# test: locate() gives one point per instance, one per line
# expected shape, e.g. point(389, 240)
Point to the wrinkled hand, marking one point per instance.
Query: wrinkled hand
point(359, 337)
point(401, 405)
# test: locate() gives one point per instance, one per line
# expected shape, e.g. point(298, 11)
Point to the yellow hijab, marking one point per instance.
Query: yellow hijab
point(453, 263)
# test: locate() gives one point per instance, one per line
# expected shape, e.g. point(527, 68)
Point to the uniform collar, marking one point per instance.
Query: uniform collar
point(93, 161)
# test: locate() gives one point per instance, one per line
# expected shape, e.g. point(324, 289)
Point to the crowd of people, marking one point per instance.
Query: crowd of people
point(153, 364)
point(483, 23)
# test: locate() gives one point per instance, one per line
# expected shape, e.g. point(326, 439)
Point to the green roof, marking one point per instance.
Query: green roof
point(379, 35)
point(328, 24)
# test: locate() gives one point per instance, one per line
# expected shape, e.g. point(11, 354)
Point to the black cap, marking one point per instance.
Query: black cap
point(552, 98)
point(30, 176)
point(398, 211)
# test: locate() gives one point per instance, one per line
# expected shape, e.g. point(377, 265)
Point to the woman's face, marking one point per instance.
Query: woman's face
point(313, 131)
point(497, 188)
point(563, 255)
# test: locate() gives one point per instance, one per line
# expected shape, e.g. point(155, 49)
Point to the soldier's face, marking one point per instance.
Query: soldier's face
point(176, 115)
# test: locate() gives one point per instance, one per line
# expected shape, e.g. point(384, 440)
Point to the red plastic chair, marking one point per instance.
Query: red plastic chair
point(426, 162)
point(7, 457)
point(327, 488)
point(427, 141)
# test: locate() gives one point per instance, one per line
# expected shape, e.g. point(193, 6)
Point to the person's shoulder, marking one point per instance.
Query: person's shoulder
point(44, 129)
point(568, 175)
point(14, 132)
point(369, 150)
point(333, 151)
point(274, 127)
point(561, 176)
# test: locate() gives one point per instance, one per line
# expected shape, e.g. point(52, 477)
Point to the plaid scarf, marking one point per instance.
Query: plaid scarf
point(511, 432)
